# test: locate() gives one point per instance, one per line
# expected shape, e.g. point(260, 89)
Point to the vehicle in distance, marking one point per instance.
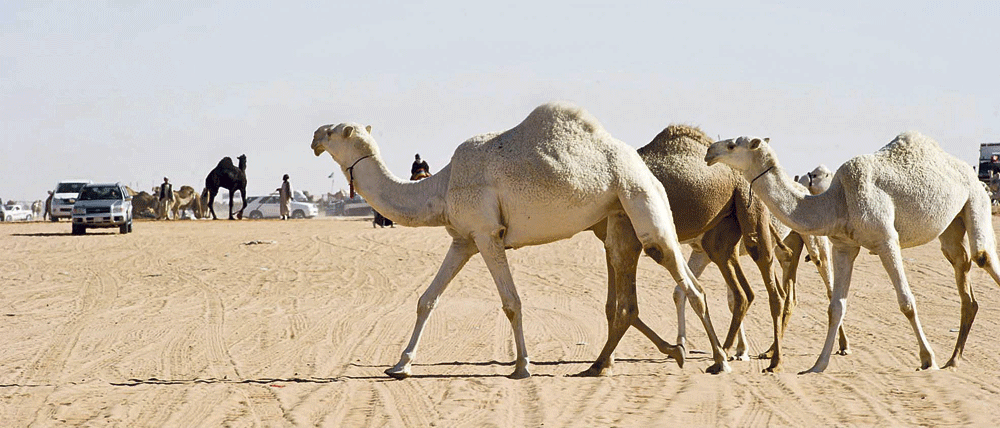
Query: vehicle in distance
point(270, 207)
point(102, 205)
point(63, 198)
point(14, 212)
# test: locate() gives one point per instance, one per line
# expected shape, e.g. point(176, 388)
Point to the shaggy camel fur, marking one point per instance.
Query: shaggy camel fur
point(555, 174)
point(712, 211)
point(228, 176)
point(904, 195)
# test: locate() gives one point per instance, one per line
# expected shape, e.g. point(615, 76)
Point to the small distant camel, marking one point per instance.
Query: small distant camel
point(228, 176)
point(904, 195)
point(36, 209)
point(187, 199)
point(553, 175)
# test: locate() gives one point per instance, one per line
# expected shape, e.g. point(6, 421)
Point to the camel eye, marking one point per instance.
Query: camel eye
point(731, 146)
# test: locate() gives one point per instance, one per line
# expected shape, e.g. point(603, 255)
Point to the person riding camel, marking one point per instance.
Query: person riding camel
point(420, 169)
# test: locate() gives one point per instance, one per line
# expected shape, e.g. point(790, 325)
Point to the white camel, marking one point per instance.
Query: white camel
point(555, 174)
point(904, 195)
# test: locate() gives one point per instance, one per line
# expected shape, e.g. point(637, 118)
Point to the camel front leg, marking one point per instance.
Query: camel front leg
point(843, 265)
point(459, 253)
point(819, 253)
point(231, 205)
point(892, 261)
point(491, 246)
point(697, 263)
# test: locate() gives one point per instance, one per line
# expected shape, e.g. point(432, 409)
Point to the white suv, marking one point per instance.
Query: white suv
point(270, 207)
point(64, 197)
point(103, 205)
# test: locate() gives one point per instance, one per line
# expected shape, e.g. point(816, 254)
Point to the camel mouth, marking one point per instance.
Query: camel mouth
point(711, 160)
point(318, 150)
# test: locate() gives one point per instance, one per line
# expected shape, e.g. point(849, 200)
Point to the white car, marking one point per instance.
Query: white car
point(64, 197)
point(14, 213)
point(270, 207)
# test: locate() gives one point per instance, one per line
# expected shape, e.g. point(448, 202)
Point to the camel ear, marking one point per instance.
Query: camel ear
point(754, 143)
point(767, 140)
point(348, 131)
point(796, 178)
point(368, 129)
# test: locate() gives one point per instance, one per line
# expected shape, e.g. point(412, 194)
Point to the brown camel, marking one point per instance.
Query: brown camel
point(713, 211)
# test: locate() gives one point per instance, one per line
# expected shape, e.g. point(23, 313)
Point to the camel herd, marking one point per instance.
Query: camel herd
point(560, 172)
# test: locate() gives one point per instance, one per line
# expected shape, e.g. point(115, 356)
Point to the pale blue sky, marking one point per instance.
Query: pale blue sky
point(134, 91)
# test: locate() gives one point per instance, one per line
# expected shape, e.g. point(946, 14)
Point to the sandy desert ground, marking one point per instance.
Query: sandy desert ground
point(271, 323)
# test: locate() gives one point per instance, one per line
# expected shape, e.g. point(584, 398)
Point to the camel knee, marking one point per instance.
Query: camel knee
point(679, 296)
point(982, 259)
point(907, 307)
point(425, 305)
point(511, 309)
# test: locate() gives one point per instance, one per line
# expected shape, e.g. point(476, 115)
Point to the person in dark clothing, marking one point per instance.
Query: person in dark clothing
point(166, 198)
point(420, 169)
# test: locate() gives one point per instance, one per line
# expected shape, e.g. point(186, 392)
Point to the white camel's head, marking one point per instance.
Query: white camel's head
point(345, 142)
point(819, 179)
point(739, 153)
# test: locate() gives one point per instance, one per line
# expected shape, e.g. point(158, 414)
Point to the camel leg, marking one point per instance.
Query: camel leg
point(819, 252)
point(697, 263)
point(231, 205)
point(457, 256)
point(491, 247)
point(955, 249)
point(892, 261)
point(843, 264)
point(622, 251)
point(211, 204)
point(654, 226)
point(789, 272)
point(721, 245)
point(243, 197)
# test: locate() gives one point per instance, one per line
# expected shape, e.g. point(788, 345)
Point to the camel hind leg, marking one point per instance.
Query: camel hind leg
point(622, 251)
point(649, 212)
point(956, 250)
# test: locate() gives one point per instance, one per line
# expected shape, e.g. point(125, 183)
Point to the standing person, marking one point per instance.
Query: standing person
point(166, 197)
point(285, 196)
point(48, 206)
point(420, 169)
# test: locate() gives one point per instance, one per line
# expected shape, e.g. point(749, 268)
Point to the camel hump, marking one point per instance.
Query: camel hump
point(678, 137)
point(226, 162)
point(561, 115)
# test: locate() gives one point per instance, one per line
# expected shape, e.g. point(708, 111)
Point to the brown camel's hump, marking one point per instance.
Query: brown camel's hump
point(679, 138)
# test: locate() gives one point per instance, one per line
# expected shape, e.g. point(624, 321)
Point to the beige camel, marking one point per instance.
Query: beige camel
point(187, 199)
point(904, 195)
point(555, 174)
point(712, 211)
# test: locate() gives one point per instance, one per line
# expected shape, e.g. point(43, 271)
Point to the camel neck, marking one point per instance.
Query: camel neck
point(791, 202)
point(409, 203)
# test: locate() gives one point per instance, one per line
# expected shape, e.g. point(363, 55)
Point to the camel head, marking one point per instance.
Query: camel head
point(345, 142)
point(740, 153)
point(819, 179)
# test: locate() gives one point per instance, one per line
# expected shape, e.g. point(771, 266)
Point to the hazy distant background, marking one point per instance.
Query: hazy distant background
point(134, 91)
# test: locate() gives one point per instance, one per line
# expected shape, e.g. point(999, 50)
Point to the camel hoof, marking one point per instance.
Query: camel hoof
point(717, 368)
point(774, 369)
point(766, 355)
point(843, 352)
point(594, 371)
point(740, 356)
point(397, 374)
point(678, 352)
point(519, 374)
